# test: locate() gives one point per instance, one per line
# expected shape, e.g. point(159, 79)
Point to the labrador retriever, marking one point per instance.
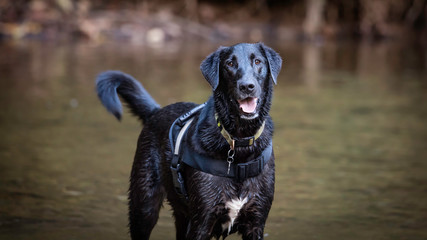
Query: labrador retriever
point(223, 180)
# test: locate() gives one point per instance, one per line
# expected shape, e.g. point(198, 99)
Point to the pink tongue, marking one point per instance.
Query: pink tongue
point(248, 105)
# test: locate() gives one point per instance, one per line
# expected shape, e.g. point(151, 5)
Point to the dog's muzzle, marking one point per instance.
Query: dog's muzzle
point(248, 98)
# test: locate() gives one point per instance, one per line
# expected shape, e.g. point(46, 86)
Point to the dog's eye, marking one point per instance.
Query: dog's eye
point(257, 61)
point(230, 63)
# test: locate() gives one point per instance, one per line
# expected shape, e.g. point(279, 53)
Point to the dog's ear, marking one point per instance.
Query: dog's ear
point(210, 68)
point(274, 62)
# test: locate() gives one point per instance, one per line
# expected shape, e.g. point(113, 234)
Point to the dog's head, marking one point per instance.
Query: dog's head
point(240, 73)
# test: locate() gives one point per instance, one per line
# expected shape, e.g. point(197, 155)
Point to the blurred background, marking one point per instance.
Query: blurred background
point(350, 110)
point(149, 21)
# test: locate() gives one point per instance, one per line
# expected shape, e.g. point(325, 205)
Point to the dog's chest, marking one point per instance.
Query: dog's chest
point(234, 207)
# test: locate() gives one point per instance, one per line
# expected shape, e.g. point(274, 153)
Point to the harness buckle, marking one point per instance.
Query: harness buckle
point(241, 172)
point(178, 181)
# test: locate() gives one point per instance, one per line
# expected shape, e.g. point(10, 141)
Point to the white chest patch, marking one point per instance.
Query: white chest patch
point(233, 207)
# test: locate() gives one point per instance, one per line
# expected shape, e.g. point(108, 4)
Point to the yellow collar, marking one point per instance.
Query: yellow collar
point(234, 142)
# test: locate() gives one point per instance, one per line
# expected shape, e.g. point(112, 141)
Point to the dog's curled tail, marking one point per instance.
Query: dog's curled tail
point(111, 83)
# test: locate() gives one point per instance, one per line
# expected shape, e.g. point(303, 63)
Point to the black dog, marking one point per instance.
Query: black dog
point(218, 174)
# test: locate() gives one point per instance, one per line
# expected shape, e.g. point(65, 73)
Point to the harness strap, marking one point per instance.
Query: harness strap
point(181, 124)
point(180, 135)
point(218, 167)
point(178, 180)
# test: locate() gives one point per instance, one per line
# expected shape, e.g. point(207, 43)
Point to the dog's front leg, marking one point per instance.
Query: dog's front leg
point(200, 227)
point(253, 221)
point(256, 233)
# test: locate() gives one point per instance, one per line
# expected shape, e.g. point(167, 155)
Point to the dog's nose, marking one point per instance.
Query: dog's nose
point(247, 87)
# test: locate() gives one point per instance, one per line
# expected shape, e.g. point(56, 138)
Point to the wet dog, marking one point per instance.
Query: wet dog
point(232, 130)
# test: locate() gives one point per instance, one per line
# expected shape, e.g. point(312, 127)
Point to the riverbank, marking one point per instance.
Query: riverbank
point(143, 22)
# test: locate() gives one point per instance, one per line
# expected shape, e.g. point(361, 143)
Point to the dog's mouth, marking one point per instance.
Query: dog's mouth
point(248, 107)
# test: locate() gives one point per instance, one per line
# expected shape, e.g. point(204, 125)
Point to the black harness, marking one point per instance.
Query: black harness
point(182, 153)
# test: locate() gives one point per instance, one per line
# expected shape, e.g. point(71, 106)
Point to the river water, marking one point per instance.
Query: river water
point(350, 138)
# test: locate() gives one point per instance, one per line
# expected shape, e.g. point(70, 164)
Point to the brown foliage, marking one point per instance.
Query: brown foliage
point(143, 20)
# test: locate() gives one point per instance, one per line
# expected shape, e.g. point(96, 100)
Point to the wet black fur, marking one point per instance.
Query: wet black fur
point(151, 181)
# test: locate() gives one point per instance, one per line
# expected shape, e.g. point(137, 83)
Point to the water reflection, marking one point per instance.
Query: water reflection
point(350, 139)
